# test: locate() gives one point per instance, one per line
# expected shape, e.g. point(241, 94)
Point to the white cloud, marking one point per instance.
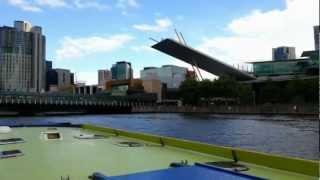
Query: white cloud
point(124, 5)
point(24, 5)
point(90, 4)
point(73, 48)
point(52, 3)
point(159, 26)
point(39, 5)
point(127, 3)
point(254, 35)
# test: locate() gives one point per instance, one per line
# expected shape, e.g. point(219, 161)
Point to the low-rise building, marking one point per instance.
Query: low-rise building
point(124, 87)
point(86, 90)
point(154, 86)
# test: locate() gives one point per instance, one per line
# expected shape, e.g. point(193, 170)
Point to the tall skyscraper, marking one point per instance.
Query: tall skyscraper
point(171, 75)
point(122, 71)
point(316, 31)
point(283, 53)
point(22, 58)
point(103, 77)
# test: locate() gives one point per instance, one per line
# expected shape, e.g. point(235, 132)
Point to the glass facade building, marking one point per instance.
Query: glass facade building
point(171, 75)
point(283, 53)
point(121, 71)
point(285, 67)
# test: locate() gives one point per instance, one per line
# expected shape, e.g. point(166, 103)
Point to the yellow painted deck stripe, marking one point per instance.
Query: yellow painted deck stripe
point(296, 165)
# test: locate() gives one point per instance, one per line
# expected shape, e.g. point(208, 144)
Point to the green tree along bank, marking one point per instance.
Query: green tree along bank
point(226, 90)
point(297, 91)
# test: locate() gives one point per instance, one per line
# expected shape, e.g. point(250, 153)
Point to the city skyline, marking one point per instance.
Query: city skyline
point(85, 42)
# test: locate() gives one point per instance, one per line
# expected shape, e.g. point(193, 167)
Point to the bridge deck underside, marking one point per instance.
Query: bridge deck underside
point(201, 60)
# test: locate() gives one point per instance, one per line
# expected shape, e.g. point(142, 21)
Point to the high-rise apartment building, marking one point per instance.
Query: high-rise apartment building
point(316, 31)
point(171, 75)
point(103, 77)
point(22, 58)
point(122, 71)
point(283, 53)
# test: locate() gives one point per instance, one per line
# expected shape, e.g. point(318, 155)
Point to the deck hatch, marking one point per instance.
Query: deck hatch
point(10, 153)
point(11, 141)
point(52, 135)
point(130, 144)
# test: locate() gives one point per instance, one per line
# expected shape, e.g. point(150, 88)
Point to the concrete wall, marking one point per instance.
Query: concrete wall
point(308, 109)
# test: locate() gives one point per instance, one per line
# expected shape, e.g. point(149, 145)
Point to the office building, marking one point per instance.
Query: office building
point(64, 77)
point(316, 31)
point(121, 71)
point(171, 75)
point(103, 77)
point(283, 53)
point(59, 79)
point(22, 58)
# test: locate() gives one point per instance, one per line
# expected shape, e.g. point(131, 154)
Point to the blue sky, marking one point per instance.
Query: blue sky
point(87, 35)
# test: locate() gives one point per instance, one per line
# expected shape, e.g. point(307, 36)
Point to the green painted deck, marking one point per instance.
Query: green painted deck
point(77, 159)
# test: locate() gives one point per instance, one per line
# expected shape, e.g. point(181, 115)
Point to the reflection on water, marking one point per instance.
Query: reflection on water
point(278, 135)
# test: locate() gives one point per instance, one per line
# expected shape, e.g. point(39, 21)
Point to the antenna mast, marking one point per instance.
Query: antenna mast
point(194, 63)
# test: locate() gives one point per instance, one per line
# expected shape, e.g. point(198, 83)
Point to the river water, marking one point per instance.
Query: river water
point(291, 136)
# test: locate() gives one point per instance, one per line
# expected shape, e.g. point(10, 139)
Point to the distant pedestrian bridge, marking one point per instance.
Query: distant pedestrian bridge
point(99, 103)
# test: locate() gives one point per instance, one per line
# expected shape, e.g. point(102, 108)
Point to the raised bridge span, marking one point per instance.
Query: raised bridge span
point(199, 59)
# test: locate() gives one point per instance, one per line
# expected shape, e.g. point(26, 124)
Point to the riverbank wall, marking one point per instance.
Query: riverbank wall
point(275, 109)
